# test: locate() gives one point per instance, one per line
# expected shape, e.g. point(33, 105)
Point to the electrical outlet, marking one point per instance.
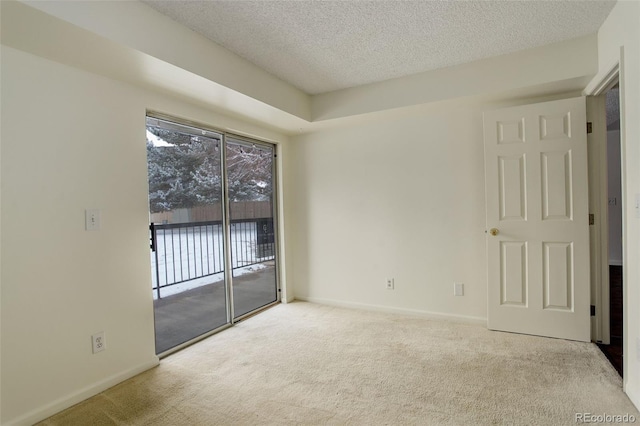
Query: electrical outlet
point(99, 343)
point(458, 289)
point(390, 284)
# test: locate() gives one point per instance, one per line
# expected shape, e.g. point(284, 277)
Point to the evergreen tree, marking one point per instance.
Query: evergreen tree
point(185, 171)
point(249, 173)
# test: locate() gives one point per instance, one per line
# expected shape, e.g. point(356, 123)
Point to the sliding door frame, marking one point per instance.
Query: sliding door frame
point(226, 220)
point(274, 213)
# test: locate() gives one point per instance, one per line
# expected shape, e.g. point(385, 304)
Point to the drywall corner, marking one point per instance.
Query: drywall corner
point(138, 26)
point(548, 64)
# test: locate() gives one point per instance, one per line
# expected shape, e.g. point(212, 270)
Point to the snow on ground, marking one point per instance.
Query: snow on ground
point(199, 282)
point(195, 255)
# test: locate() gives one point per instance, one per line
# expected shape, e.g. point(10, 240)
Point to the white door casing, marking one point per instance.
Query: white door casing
point(537, 200)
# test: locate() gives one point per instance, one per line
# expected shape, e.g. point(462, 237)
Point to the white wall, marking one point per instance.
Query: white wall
point(72, 140)
point(622, 29)
point(615, 197)
point(400, 196)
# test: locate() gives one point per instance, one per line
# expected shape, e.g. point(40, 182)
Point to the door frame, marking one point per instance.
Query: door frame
point(598, 206)
point(228, 276)
point(598, 195)
point(274, 212)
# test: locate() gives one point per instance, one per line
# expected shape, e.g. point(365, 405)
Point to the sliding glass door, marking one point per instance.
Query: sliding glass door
point(213, 247)
point(250, 183)
point(186, 212)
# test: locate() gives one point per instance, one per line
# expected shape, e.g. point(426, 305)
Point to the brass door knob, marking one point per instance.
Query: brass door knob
point(494, 231)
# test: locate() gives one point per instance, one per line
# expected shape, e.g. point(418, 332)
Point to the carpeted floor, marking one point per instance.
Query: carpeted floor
point(303, 363)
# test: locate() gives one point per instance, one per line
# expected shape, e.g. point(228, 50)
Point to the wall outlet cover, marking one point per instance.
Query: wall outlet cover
point(98, 342)
point(458, 289)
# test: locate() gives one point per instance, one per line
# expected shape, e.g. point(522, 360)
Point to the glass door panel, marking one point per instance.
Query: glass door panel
point(250, 184)
point(187, 231)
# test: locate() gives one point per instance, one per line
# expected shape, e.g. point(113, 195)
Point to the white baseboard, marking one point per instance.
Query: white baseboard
point(413, 312)
point(289, 299)
point(634, 394)
point(60, 404)
point(615, 262)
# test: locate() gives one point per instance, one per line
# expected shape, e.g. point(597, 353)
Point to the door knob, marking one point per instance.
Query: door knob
point(494, 231)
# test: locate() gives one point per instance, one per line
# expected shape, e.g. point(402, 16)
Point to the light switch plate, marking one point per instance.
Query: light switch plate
point(92, 219)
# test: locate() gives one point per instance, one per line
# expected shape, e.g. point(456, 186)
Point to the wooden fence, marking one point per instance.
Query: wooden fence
point(239, 210)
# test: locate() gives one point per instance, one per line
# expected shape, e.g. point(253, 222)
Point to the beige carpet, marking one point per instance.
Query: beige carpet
point(303, 363)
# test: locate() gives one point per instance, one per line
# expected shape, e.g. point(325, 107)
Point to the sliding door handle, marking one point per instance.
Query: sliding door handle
point(152, 228)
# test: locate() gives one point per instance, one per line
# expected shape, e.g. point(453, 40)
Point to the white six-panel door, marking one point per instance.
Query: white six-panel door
point(537, 207)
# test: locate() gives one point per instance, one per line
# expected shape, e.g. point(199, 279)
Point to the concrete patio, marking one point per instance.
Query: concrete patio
point(184, 316)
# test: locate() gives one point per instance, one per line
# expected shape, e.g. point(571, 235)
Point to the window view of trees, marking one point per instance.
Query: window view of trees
point(249, 173)
point(185, 171)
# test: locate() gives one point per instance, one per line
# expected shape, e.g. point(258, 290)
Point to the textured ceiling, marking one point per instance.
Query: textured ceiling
point(321, 46)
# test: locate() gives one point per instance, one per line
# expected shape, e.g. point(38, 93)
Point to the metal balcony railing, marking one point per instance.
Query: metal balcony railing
point(187, 251)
